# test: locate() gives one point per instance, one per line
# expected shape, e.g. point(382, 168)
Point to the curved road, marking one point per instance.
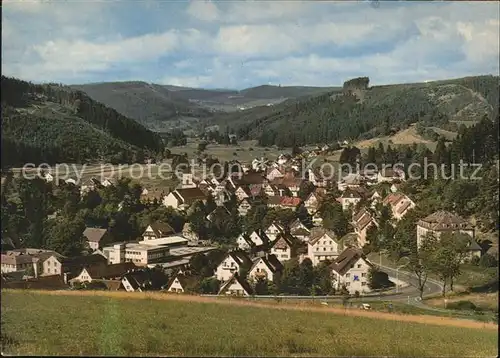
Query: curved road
point(411, 294)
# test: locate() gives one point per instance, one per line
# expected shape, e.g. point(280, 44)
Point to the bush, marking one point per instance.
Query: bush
point(462, 305)
point(488, 260)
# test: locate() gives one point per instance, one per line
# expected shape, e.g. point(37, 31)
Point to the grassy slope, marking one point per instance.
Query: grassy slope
point(92, 325)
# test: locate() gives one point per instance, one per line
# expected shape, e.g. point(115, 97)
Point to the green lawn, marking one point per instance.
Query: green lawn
point(38, 324)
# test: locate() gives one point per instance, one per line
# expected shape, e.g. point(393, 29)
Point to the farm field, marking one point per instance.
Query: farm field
point(245, 151)
point(152, 324)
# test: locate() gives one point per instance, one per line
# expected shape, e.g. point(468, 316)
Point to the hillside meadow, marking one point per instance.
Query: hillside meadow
point(70, 323)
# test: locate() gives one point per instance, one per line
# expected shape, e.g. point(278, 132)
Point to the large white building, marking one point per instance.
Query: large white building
point(350, 270)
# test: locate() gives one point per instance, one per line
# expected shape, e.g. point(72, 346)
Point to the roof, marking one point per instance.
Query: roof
point(190, 195)
point(318, 232)
point(393, 198)
point(290, 201)
point(474, 246)
point(277, 225)
point(282, 242)
point(241, 258)
point(236, 278)
point(146, 279)
point(94, 234)
point(364, 221)
point(161, 229)
point(24, 256)
point(250, 178)
point(346, 259)
point(184, 280)
point(351, 194)
point(444, 220)
point(112, 285)
point(54, 282)
point(271, 261)
point(110, 271)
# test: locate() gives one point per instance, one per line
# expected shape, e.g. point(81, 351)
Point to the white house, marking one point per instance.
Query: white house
point(350, 270)
point(183, 198)
point(299, 230)
point(242, 193)
point(180, 283)
point(282, 248)
point(244, 207)
point(322, 245)
point(312, 202)
point(236, 286)
point(244, 243)
point(443, 222)
point(273, 230)
point(231, 264)
point(274, 173)
point(267, 267)
point(349, 198)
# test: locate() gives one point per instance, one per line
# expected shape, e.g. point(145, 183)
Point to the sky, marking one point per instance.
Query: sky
point(241, 44)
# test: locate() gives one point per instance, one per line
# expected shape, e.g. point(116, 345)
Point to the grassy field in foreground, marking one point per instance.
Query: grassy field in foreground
point(41, 324)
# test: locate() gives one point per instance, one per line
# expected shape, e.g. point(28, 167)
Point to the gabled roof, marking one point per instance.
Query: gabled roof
point(271, 261)
point(241, 258)
point(190, 195)
point(236, 278)
point(94, 234)
point(362, 219)
point(282, 242)
point(318, 232)
point(277, 225)
point(184, 280)
point(110, 271)
point(346, 259)
point(162, 229)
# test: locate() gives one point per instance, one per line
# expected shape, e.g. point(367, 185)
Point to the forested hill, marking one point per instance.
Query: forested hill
point(53, 123)
point(363, 112)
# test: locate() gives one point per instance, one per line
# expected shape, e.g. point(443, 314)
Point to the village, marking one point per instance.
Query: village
point(162, 259)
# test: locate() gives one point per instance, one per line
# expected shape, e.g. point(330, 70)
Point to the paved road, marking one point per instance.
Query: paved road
point(411, 294)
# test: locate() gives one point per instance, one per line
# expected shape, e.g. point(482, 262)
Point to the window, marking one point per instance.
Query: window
point(359, 265)
point(363, 283)
point(324, 248)
point(363, 274)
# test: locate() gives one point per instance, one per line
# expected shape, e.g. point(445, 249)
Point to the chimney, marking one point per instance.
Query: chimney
point(281, 192)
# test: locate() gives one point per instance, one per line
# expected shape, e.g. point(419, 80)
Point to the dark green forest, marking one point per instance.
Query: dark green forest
point(371, 112)
point(52, 123)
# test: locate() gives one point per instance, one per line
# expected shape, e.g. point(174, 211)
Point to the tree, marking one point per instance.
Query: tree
point(422, 261)
point(378, 279)
point(305, 276)
point(449, 255)
point(202, 146)
point(66, 237)
point(334, 218)
point(261, 287)
point(209, 285)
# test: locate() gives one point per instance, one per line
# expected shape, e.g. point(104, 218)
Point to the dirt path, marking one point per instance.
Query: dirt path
point(442, 321)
